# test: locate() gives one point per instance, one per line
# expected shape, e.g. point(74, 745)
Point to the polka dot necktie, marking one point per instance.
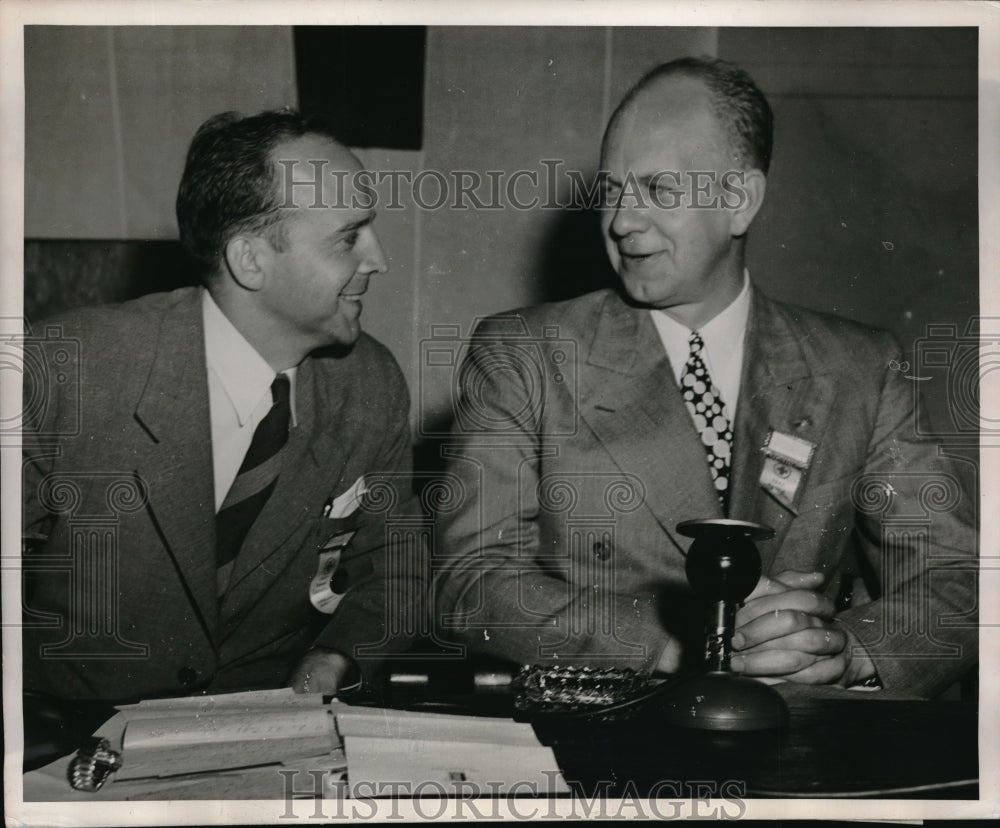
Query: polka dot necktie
point(711, 417)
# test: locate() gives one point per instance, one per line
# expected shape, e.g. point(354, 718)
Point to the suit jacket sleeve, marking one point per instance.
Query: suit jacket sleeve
point(382, 611)
point(499, 589)
point(915, 531)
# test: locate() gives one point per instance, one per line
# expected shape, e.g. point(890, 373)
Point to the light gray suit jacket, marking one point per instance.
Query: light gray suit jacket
point(579, 459)
point(122, 447)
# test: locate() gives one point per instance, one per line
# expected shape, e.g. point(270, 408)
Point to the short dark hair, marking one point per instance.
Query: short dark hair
point(229, 183)
point(737, 101)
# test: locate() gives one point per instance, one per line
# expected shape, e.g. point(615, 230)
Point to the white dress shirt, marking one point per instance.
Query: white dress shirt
point(239, 394)
point(723, 337)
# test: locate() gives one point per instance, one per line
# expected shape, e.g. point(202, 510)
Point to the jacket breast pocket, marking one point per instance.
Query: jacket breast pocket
point(327, 532)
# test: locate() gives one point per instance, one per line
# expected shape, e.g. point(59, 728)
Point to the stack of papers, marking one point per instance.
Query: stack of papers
point(254, 745)
point(170, 737)
point(394, 753)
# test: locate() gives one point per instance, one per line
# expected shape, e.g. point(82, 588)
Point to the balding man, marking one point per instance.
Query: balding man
point(229, 431)
point(603, 422)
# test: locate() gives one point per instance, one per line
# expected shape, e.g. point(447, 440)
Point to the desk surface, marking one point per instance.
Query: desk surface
point(838, 743)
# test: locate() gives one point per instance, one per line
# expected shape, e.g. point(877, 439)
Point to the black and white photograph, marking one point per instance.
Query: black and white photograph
point(417, 411)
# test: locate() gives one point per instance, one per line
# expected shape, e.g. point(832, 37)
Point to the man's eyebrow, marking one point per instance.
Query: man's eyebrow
point(657, 178)
point(364, 221)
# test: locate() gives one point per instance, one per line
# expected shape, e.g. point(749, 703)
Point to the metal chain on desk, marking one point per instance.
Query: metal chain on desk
point(93, 764)
point(550, 689)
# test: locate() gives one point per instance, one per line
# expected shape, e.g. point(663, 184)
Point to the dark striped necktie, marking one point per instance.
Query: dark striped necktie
point(711, 417)
point(254, 482)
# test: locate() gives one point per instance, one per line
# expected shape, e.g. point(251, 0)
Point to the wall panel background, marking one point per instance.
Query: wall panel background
point(872, 199)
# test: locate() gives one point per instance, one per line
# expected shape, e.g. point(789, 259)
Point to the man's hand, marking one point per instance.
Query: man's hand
point(320, 671)
point(787, 629)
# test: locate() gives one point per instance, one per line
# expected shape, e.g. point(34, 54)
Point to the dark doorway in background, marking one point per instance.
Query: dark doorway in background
point(365, 82)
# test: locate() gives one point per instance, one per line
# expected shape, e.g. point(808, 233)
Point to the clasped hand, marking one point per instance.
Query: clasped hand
point(787, 629)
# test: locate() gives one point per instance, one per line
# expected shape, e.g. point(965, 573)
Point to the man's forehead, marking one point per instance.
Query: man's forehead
point(676, 93)
point(315, 170)
point(312, 149)
point(671, 107)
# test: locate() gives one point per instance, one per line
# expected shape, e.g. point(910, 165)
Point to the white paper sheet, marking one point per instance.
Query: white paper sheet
point(433, 726)
point(400, 753)
point(193, 735)
point(379, 766)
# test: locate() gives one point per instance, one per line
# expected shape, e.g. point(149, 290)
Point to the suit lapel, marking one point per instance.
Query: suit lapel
point(778, 391)
point(176, 462)
point(630, 400)
point(310, 466)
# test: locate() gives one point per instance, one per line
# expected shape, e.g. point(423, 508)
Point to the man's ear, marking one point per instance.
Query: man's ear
point(743, 193)
point(247, 261)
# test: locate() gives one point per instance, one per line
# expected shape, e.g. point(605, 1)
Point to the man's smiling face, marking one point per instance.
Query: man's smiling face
point(670, 250)
point(328, 251)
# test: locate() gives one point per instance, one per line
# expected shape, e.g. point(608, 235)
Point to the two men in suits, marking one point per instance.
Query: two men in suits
point(595, 426)
point(195, 492)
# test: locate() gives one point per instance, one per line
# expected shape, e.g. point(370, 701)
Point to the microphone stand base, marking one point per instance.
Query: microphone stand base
point(725, 701)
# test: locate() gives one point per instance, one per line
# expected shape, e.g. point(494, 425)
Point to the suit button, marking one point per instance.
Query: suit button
point(187, 676)
point(602, 550)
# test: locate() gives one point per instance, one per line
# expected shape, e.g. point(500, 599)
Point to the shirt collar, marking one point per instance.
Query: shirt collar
point(722, 334)
point(243, 373)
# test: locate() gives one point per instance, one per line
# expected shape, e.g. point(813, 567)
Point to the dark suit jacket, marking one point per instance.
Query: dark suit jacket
point(581, 460)
point(119, 459)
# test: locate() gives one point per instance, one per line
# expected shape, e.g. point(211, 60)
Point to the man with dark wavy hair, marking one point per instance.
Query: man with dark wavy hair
point(686, 394)
point(248, 416)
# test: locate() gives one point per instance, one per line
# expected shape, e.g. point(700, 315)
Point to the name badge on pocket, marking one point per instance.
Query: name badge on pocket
point(327, 590)
point(786, 460)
